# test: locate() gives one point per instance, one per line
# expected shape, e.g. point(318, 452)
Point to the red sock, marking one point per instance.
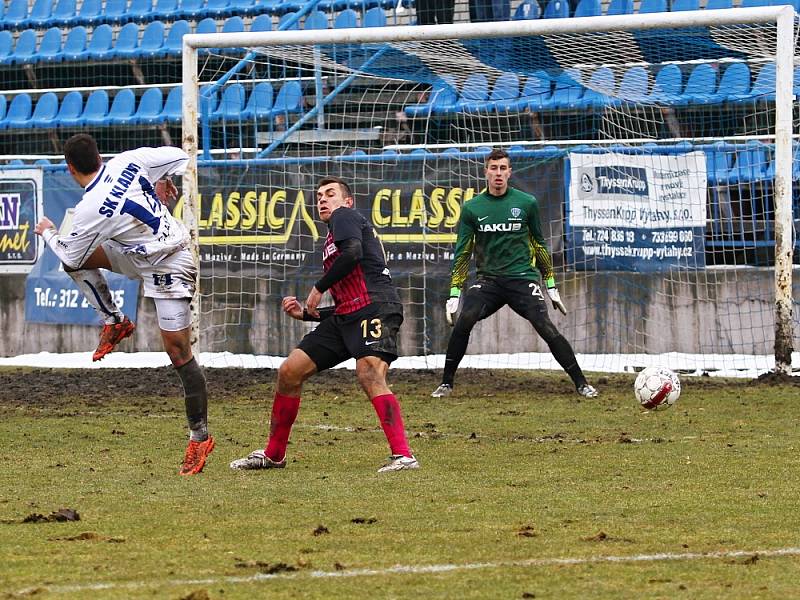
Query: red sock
point(284, 412)
point(388, 409)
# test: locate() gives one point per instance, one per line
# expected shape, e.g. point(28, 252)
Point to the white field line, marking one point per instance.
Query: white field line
point(415, 570)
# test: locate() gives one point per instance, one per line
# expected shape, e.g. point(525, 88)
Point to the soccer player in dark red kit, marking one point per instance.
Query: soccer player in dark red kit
point(362, 324)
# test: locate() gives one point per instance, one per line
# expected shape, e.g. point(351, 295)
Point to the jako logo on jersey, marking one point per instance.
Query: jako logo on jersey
point(516, 212)
point(118, 191)
point(488, 227)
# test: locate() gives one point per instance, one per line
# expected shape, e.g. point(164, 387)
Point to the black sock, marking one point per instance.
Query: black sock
point(196, 399)
point(456, 348)
point(564, 355)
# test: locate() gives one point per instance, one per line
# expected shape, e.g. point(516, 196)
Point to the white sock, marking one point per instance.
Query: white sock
point(92, 283)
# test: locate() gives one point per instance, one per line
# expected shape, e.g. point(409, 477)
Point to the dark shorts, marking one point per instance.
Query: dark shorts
point(488, 295)
point(370, 331)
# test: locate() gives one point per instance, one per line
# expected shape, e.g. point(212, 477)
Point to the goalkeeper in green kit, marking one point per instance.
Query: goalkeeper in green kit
point(501, 225)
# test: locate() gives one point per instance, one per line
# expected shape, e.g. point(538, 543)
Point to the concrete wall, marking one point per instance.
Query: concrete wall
point(711, 311)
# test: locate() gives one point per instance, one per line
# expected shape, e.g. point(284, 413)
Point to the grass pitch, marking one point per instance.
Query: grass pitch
point(525, 491)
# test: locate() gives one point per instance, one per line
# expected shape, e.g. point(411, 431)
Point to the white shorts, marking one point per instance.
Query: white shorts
point(174, 314)
point(172, 277)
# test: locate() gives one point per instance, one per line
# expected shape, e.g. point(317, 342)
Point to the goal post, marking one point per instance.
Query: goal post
point(352, 77)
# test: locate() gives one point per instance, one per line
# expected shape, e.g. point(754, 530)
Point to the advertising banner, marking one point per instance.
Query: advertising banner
point(636, 212)
point(20, 210)
point(264, 220)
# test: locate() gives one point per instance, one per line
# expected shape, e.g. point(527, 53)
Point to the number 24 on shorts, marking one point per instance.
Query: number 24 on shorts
point(371, 328)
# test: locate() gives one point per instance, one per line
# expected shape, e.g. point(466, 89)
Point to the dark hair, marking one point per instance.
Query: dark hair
point(80, 151)
point(346, 191)
point(497, 154)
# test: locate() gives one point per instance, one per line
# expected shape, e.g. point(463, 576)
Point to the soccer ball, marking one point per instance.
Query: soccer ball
point(657, 388)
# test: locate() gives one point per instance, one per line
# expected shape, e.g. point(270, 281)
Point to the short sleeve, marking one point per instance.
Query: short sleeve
point(346, 224)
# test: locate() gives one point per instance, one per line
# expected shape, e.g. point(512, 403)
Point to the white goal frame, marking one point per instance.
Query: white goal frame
point(782, 16)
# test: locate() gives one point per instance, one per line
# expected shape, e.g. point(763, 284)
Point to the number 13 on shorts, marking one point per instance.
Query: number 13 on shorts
point(371, 328)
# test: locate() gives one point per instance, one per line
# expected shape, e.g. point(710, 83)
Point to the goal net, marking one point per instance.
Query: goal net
point(652, 143)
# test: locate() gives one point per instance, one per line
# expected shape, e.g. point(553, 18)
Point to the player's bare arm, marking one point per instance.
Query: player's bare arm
point(43, 225)
point(292, 307)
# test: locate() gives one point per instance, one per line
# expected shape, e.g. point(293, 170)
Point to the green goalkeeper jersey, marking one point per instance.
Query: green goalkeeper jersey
point(506, 236)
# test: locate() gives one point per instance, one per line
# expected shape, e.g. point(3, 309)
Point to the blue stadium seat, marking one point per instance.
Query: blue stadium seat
point(3, 106)
point(505, 90)
point(534, 95)
point(718, 4)
point(259, 103)
point(261, 23)
point(441, 99)
point(242, 7)
point(701, 86)
point(217, 8)
point(764, 85)
point(734, 85)
point(668, 85)
point(152, 42)
point(681, 5)
point(165, 10)
point(191, 9)
point(149, 110)
point(754, 3)
point(718, 164)
point(588, 8)
point(556, 9)
point(69, 113)
point(173, 108)
point(652, 6)
point(16, 14)
point(749, 164)
point(634, 85)
point(474, 94)
point(42, 162)
point(208, 104)
point(271, 7)
point(64, 13)
point(16, 162)
point(375, 17)
point(620, 7)
point(19, 112)
point(50, 47)
point(599, 89)
point(527, 10)
point(25, 49)
point(289, 6)
point(289, 99)
point(127, 41)
point(101, 45)
point(116, 11)
point(231, 104)
point(90, 13)
point(41, 11)
point(316, 20)
point(173, 44)
point(45, 111)
point(207, 25)
point(568, 90)
point(140, 11)
point(75, 44)
point(347, 19)
point(332, 5)
point(122, 108)
point(6, 47)
point(95, 112)
point(233, 25)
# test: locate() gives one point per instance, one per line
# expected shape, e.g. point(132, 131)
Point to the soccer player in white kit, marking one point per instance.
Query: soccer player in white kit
point(122, 224)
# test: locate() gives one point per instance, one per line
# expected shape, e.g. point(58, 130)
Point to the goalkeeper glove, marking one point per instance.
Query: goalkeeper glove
point(451, 306)
point(555, 298)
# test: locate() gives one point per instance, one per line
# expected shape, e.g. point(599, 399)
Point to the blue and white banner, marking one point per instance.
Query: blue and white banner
point(636, 212)
point(20, 210)
point(50, 294)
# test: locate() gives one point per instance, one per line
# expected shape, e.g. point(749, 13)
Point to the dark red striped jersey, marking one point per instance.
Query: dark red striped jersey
point(370, 280)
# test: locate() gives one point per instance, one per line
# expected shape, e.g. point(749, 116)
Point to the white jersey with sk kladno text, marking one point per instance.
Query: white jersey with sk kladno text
point(120, 207)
